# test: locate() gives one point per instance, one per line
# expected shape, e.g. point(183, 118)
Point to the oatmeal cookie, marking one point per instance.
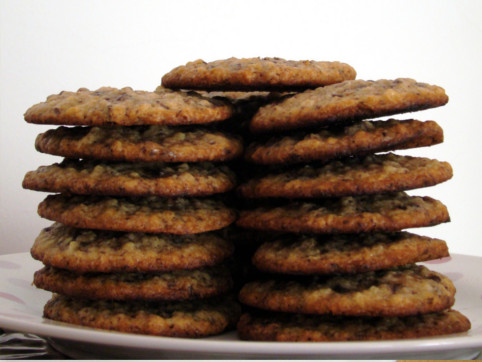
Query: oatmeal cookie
point(401, 291)
point(349, 214)
point(348, 101)
point(351, 176)
point(187, 319)
point(175, 285)
point(140, 144)
point(83, 251)
point(257, 74)
point(345, 253)
point(143, 214)
point(90, 177)
point(127, 107)
point(361, 137)
point(283, 327)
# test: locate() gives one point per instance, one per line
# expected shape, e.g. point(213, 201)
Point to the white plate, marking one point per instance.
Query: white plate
point(22, 304)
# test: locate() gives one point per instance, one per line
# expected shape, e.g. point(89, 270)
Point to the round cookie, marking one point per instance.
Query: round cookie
point(85, 251)
point(257, 74)
point(283, 327)
point(361, 137)
point(140, 144)
point(401, 291)
point(348, 101)
point(144, 214)
point(345, 253)
point(371, 174)
point(187, 319)
point(349, 214)
point(127, 107)
point(89, 177)
point(175, 285)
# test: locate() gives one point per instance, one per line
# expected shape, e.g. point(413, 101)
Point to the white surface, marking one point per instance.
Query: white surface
point(50, 46)
point(22, 310)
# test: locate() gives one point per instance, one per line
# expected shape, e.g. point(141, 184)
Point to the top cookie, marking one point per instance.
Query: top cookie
point(257, 74)
point(127, 107)
point(348, 101)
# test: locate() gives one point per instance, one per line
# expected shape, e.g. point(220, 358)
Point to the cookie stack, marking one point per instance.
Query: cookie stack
point(340, 267)
point(142, 228)
point(139, 213)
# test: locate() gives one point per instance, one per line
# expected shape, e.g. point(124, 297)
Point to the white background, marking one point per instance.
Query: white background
point(50, 46)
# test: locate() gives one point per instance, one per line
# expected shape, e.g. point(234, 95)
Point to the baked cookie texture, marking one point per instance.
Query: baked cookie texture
point(372, 174)
point(348, 101)
point(175, 285)
point(401, 291)
point(127, 107)
point(140, 144)
point(82, 250)
point(188, 319)
point(143, 236)
point(257, 74)
point(130, 224)
point(350, 214)
point(147, 214)
point(91, 177)
point(358, 138)
point(345, 253)
point(284, 327)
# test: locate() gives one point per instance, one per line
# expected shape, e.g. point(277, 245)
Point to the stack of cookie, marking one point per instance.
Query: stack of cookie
point(139, 213)
point(340, 266)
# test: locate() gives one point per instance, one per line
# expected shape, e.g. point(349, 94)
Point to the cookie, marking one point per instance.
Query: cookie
point(187, 319)
point(175, 285)
point(345, 253)
point(257, 74)
point(401, 291)
point(351, 176)
point(350, 214)
point(348, 101)
point(361, 137)
point(145, 214)
point(140, 144)
point(89, 177)
point(285, 327)
point(127, 107)
point(85, 251)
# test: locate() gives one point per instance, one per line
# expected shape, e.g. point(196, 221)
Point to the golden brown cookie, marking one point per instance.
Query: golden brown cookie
point(401, 291)
point(143, 214)
point(140, 144)
point(370, 174)
point(257, 74)
point(175, 285)
point(187, 319)
point(127, 107)
point(361, 137)
point(348, 101)
point(285, 327)
point(83, 251)
point(90, 177)
point(345, 253)
point(350, 214)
